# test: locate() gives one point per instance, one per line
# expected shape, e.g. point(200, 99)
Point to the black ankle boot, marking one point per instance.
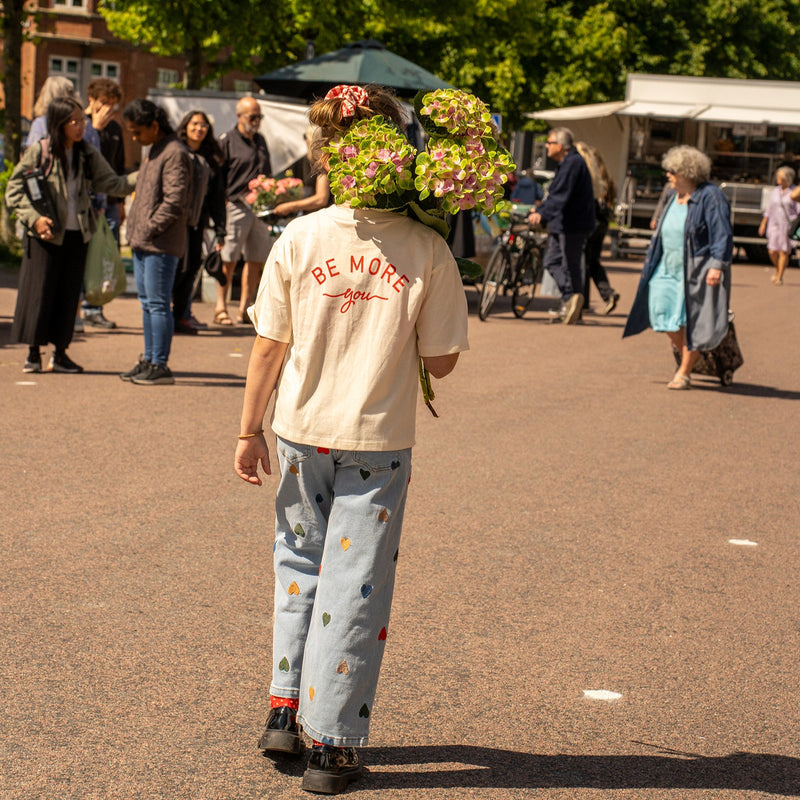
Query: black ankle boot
point(281, 733)
point(331, 769)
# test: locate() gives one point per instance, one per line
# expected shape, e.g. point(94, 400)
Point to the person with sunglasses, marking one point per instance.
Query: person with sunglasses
point(245, 156)
point(569, 213)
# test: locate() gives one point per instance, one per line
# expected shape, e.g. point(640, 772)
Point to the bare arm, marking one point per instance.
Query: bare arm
point(440, 366)
point(266, 360)
point(311, 203)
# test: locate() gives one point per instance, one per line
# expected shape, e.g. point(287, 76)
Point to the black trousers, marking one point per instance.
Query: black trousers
point(187, 272)
point(563, 261)
point(49, 290)
point(595, 271)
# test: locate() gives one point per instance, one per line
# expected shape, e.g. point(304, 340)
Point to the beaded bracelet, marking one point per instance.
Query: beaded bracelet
point(251, 435)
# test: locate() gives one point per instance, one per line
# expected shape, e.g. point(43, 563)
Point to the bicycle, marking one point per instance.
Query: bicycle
point(515, 265)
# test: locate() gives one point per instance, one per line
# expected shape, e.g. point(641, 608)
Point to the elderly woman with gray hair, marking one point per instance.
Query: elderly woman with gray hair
point(685, 284)
point(781, 210)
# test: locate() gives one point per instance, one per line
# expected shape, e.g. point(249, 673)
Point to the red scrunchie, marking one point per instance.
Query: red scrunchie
point(351, 96)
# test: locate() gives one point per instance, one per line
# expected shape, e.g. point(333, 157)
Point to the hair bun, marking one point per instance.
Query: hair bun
point(351, 97)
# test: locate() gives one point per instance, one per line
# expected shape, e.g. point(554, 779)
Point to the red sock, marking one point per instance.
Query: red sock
point(290, 702)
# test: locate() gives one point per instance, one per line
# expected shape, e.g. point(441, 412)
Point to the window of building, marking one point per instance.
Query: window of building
point(242, 86)
point(167, 78)
point(214, 85)
point(105, 69)
point(81, 5)
point(66, 67)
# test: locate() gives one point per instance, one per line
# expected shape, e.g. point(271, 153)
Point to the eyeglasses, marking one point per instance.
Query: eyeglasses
point(551, 142)
point(76, 122)
point(253, 117)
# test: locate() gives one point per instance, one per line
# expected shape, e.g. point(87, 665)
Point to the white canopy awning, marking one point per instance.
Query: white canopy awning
point(591, 111)
point(645, 108)
point(754, 116)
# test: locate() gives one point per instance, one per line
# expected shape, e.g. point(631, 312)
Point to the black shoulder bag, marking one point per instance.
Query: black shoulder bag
point(36, 186)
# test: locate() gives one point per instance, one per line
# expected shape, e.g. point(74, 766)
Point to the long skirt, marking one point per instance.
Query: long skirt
point(49, 290)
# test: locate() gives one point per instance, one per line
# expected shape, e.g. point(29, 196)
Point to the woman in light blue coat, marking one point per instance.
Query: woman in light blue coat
point(684, 290)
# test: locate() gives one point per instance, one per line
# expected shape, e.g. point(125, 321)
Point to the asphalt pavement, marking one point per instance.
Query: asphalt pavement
point(597, 588)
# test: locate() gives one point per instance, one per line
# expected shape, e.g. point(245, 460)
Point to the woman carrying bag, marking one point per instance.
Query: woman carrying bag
point(55, 243)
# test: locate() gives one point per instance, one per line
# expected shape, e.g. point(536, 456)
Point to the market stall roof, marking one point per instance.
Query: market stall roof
point(703, 99)
point(366, 61)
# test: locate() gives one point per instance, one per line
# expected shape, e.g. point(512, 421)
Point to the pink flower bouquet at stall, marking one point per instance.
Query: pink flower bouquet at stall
point(265, 193)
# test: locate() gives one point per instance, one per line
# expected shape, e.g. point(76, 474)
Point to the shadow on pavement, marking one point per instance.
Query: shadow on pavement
point(463, 766)
point(747, 390)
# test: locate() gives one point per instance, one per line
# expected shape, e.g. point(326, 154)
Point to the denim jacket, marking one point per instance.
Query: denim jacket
point(708, 244)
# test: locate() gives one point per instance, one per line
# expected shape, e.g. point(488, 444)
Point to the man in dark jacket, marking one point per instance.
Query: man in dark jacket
point(104, 99)
point(569, 213)
point(246, 157)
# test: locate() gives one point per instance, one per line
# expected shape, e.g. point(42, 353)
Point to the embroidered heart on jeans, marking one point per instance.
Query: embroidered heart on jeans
point(323, 450)
point(364, 711)
point(345, 542)
point(298, 529)
point(284, 665)
point(326, 618)
point(366, 591)
point(395, 464)
point(382, 635)
point(365, 473)
point(293, 470)
point(294, 588)
point(383, 516)
point(343, 669)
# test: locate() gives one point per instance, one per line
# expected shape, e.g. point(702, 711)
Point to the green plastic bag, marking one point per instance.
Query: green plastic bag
point(104, 275)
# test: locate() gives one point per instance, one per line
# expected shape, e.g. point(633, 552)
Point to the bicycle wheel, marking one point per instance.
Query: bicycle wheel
point(529, 273)
point(493, 278)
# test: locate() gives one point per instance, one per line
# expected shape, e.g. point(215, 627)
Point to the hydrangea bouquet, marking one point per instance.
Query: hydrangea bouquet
point(372, 165)
point(265, 193)
point(462, 167)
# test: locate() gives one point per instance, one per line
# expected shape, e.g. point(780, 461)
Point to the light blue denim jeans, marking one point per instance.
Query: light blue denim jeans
point(338, 523)
point(155, 274)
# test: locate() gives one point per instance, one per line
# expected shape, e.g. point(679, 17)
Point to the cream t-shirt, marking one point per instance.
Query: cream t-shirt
point(358, 294)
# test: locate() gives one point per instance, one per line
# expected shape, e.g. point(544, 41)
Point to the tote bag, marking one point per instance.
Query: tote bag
point(104, 276)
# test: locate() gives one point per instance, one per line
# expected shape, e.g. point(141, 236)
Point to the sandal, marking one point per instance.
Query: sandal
point(680, 382)
point(222, 318)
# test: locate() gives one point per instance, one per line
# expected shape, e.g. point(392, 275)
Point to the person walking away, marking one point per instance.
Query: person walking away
point(604, 196)
point(245, 156)
point(782, 208)
point(344, 458)
point(197, 133)
point(684, 290)
point(157, 234)
point(54, 247)
point(104, 99)
point(568, 211)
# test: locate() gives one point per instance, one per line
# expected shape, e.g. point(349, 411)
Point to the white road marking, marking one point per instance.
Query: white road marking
point(236, 355)
point(743, 542)
point(601, 694)
point(26, 383)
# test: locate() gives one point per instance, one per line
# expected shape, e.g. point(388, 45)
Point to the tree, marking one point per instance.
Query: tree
point(213, 36)
point(15, 16)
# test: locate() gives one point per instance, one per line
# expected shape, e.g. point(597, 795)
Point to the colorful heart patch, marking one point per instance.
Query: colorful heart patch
point(365, 473)
point(326, 618)
point(343, 669)
point(364, 711)
point(293, 469)
point(323, 450)
point(383, 516)
point(298, 529)
point(395, 464)
point(294, 588)
point(284, 665)
point(366, 591)
point(382, 635)
point(311, 692)
point(345, 542)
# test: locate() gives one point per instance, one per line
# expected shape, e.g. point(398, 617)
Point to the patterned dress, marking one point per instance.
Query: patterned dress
point(780, 209)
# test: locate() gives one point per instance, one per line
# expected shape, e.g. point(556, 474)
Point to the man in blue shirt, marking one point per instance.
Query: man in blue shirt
point(569, 213)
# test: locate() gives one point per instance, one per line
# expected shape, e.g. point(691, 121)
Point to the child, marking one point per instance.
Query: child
point(350, 298)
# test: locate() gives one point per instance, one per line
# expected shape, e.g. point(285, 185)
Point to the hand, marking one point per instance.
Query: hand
point(102, 115)
point(44, 228)
point(714, 277)
point(218, 246)
point(534, 218)
point(282, 210)
point(249, 452)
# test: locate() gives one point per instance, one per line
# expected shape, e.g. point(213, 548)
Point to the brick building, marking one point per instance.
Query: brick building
point(72, 40)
